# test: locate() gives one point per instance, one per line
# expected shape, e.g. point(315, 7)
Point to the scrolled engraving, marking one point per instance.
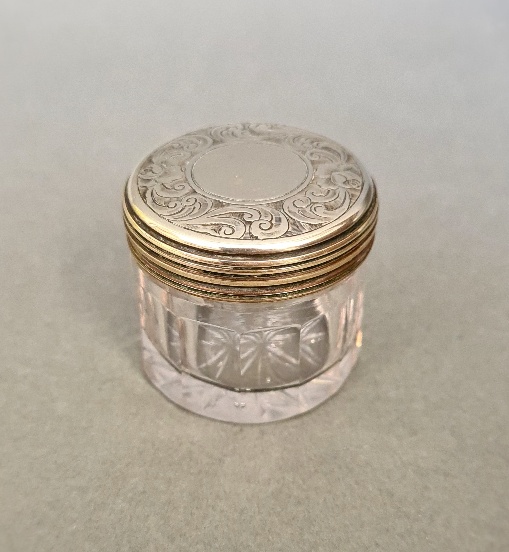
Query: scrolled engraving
point(166, 188)
point(238, 221)
point(328, 196)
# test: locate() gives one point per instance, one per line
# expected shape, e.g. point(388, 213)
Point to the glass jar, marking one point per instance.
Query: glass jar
point(249, 241)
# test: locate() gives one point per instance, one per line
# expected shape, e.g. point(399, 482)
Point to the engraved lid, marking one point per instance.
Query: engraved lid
point(250, 212)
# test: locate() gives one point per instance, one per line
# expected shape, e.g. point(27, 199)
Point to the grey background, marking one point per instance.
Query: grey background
point(412, 454)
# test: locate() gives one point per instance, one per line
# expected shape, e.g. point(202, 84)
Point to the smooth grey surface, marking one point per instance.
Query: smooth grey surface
point(413, 452)
point(249, 171)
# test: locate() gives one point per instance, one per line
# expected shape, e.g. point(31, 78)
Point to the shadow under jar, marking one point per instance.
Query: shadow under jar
point(249, 240)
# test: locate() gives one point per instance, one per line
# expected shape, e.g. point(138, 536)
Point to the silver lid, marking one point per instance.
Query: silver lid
point(226, 205)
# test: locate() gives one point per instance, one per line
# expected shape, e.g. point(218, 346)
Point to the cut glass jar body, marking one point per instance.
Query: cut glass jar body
point(250, 362)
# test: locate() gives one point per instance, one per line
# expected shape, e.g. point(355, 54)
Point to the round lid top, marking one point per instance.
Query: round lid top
point(250, 188)
point(250, 212)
